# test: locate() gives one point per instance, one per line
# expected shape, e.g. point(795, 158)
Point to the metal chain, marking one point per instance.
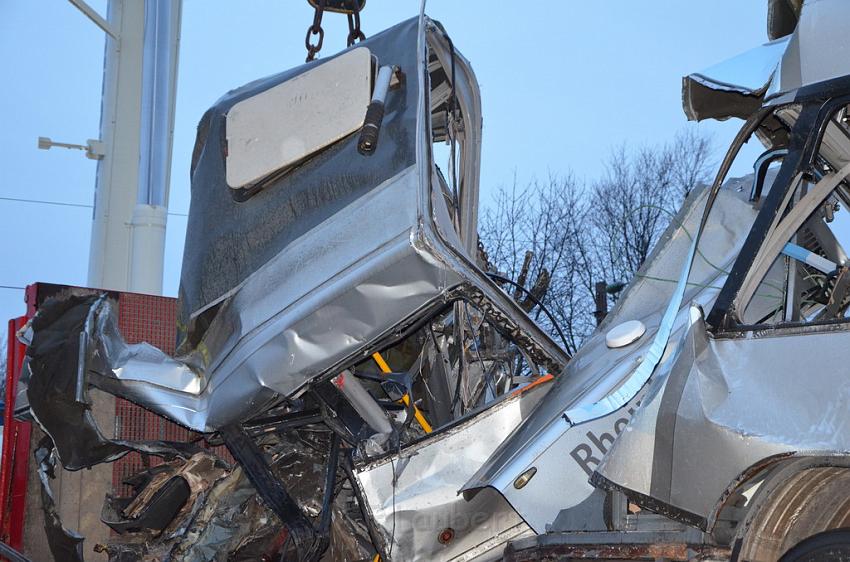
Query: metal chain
point(315, 29)
point(354, 32)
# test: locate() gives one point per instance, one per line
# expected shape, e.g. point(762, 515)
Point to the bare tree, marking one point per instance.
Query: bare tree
point(692, 155)
point(633, 202)
point(542, 220)
point(575, 235)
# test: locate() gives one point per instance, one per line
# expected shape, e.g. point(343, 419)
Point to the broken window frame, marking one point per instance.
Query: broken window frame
point(459, 194)
point(819, 104)
point(501, 322)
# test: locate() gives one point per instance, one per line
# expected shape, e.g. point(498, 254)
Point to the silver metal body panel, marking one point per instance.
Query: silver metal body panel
point(546, 439)
point(251, 333)
point(818, 50)
point(412, 509)
point(351, 283)
point(724, 408)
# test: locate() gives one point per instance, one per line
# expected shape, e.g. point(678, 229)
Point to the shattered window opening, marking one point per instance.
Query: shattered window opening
point(448, 382)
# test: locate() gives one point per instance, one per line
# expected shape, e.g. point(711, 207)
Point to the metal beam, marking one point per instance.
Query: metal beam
point(137, 117)
point(96, 18)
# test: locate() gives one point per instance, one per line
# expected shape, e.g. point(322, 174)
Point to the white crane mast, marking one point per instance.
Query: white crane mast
point(137, 122)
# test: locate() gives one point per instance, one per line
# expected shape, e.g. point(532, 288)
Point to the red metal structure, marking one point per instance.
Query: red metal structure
point(16, 447)
point(14, 462)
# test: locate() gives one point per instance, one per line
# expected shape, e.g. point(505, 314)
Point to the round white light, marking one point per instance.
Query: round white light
point(623, 334)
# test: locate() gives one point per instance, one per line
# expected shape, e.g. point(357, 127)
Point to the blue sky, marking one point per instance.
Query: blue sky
point(562, 83)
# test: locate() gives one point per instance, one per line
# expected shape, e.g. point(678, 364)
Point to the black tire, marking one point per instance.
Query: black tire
point(829, 546)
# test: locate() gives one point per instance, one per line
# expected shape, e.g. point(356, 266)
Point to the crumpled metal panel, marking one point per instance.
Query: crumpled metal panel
point(321, 297)
point(726, 406)
point(734, 401)
point(422, 501)
point(358, 273)
point(60, 354)
point(65, 544)
point(547, 438)
point(818, 50)
point(224, 521)
point(362, 276)
point(733, 88)
point(228, 240)
point(301, 342)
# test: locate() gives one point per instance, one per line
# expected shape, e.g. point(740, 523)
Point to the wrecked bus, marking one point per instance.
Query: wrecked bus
point(384, 396)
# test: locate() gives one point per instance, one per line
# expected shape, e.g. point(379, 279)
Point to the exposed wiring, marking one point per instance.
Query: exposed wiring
point(674, 218)
point(487, 375)
point(690, 283)
point(535, 300)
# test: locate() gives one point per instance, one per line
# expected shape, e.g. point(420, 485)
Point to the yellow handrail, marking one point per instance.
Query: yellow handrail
point(406, 398)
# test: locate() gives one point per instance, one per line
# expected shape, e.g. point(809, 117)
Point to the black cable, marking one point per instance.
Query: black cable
point(536, 301)
point(64, 204)
point(487, 374)
point(41, 202)
point(433, 337)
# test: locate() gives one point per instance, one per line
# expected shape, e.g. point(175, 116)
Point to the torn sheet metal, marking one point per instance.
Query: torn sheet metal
point(704, 424)
point(61, 354)
point(733, 88)
point(165, 495)
point(817, 51)
point(276, 292)
point(65, 544)
point(413, 495)
point(225, 518)
point(224, 522)
point(597, 373)
point(277, 306)
point(740, 397)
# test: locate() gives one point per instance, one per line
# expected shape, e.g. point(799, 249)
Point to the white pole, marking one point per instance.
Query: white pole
point(159, 80)
point(137, 120)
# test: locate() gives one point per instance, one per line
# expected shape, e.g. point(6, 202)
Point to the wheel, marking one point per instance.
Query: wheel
point(829, 546)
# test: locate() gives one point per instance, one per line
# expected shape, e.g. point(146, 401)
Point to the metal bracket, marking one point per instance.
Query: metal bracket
point(251, 459)
point(96, 18)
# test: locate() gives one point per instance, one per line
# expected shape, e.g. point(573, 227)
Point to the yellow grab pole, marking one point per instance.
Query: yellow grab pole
point(406, 398)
